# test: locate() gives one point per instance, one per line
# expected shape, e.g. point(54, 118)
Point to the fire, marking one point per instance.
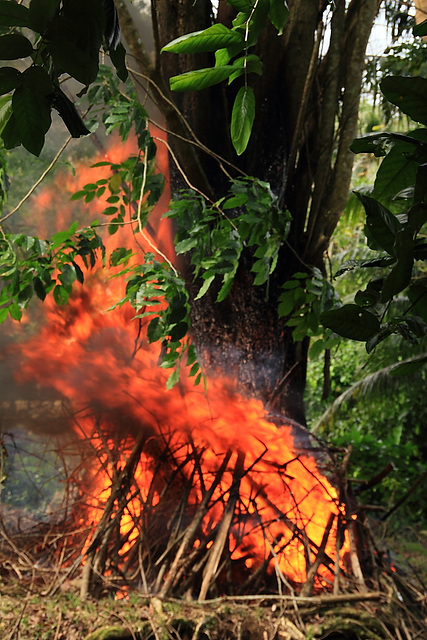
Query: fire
point(210, 465)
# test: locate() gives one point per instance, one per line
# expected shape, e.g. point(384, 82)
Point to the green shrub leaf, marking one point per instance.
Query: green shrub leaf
point(351, 321)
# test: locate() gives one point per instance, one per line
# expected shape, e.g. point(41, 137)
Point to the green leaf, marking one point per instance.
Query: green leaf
point(15, 312)
point(417, 294)
point(420, 29)
point(278, 14)
point(351, 321)
point(400, 276)
point(31, 111)
point(399, 168)
point(41, 13)
point(407, 93)
point(67, 275)
point(14, 46)
point(9, 79)
point(61, 295)
point(10, 133)
point(211, 39)
point(39, 288)
point(408, 368)
point(173, 379)
point(186, 245)
point(380, 222)
point(5, 111)
point(200, 78)
point(420, 191)
point(396, 172)
point(379, 143)
point(37, 79)
point(179, 331)
point(242, 119)
point(70, 58)
point(13, 14)
point(118, 58)
point(245, 6)
point(205, 286)
point(246, 64)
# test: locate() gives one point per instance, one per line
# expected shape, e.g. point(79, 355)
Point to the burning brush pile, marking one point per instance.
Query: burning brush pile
point(181, 492)
point(185, 492)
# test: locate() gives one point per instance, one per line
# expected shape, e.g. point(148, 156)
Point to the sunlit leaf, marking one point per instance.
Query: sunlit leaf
point(200, 78)
point(5, 111)
point(215, 37)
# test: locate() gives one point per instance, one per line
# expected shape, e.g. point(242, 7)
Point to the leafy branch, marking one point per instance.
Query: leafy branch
point(55, 39)
point(232, 58)
point(30, 266)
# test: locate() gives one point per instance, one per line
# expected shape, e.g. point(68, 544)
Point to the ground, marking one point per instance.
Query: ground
point(26, 614)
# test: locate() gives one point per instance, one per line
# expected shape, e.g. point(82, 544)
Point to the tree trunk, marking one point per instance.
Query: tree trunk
point(307, 102)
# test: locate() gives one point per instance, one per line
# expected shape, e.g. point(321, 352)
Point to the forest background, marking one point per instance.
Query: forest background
point(351, 398)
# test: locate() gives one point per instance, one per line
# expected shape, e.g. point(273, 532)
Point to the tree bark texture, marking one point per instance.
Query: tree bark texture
point(306, 114)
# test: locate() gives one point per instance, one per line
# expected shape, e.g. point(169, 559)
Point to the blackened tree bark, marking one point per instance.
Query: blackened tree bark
point(307, 104)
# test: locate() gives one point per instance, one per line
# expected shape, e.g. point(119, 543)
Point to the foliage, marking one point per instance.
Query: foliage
point(380, 417)
point(60, 39)
point(232, 58)
point(216, 242)
point(31, 266)
point(394, 233)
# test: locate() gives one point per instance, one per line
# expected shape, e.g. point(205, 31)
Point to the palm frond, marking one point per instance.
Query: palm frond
point(383, 380)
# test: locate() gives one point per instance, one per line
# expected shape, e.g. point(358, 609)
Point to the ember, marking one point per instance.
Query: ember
point(186, 491)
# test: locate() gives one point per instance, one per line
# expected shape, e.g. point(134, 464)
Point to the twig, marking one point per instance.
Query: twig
point(177, 566)
point(307, 588)
point(58, 626)
point(36, 184)
point(315, 600)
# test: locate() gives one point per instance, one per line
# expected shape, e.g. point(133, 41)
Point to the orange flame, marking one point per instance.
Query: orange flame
point(101, 360)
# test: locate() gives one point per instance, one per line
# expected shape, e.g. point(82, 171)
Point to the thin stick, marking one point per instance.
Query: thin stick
point(307, 588)
point(36, 184)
